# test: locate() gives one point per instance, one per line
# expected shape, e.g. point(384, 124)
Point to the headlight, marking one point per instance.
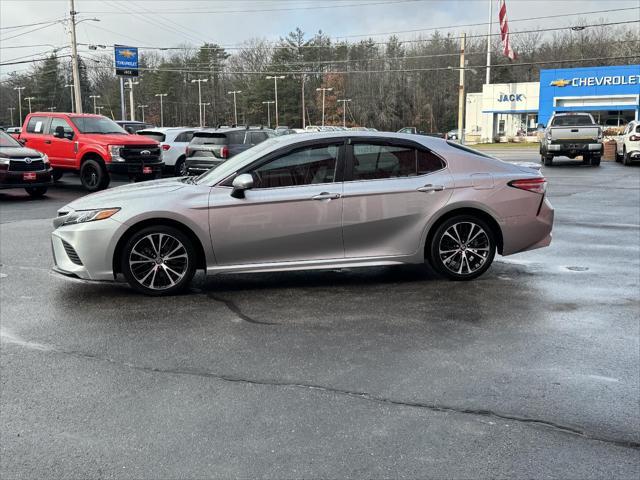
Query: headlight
point(114, 151)
point(83, 216)
point(4, 160)
point(45, 158)
point(548, 135)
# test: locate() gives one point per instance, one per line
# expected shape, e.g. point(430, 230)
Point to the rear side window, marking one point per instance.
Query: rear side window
point(372, 162)
point(157, 136)
point(184, 137)
point(257, 137)
point(36, 124)
point(235, 138)
point(637, 128)
point(572, 121)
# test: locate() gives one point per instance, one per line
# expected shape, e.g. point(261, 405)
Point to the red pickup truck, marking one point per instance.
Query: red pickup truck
point(91, 145)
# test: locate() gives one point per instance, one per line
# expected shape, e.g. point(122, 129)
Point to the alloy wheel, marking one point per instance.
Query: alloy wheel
point(464, 248)
point(158, 261)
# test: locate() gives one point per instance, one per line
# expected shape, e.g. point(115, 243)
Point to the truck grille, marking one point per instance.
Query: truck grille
point(135, 153)
point(71, 253)
point(22, 166)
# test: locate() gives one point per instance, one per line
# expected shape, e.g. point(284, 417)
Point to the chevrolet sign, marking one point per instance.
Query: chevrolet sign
point(597, 81)
point(126, 60)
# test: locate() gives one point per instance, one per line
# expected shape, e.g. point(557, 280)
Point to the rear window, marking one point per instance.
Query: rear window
point(208, 138)
point(572, 121)
point(36, 124)
point(157, 136)
point(469, 150)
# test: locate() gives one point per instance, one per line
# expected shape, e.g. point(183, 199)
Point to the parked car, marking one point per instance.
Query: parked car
point(312, 128)
point(13, 130)
point(296, 202)
point(280, 129)
point(628, 144)
point(453, 134)
point(173, 143)
point(209, 148)
point(22, 167)
point(91, 145)
point(132, 126)
point(572, 134)
point(415, 131)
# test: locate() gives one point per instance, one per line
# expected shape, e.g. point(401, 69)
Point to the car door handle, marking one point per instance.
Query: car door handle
point(47, 141)
point(326, 196)
point(431, 188)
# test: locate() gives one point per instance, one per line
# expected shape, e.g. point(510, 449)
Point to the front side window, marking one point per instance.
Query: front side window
point(36, 124)
point(373, 162)
point(60, 122)
point(306, 166)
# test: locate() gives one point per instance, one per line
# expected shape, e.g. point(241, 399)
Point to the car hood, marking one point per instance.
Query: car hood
point(115, 197)
point(123, 139)
point(19, 152)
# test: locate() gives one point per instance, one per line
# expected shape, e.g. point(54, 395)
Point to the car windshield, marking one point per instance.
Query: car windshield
point(225, 169)
point(97, 125)
point(8, 141)
point(572, 121)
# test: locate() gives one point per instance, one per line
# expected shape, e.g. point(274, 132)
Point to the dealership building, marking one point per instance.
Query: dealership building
point(506, 111)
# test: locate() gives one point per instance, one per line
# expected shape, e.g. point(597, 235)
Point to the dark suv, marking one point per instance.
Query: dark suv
point(209, 148)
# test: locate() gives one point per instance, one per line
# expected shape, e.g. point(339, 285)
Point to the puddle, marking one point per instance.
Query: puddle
point(577, 269)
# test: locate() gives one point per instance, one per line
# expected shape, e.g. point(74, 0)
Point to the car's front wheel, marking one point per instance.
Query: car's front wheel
point(36, 192)
point(94, 175)
point(462, 248)
point(158, 260)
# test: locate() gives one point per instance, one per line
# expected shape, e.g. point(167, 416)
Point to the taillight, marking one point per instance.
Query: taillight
point(224, 152)
point(535, 185)
point(187, 151)
point(634, 138)
point(165, 146)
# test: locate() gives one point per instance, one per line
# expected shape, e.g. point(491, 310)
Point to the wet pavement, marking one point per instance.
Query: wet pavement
point(530, 371)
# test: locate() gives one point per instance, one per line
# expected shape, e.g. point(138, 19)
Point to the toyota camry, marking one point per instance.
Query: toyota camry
point(310, 201)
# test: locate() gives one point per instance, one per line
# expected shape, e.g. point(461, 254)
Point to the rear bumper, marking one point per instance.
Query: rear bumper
point(12, 179)
point(574, 148)
point(524, 233)
point(135, 168)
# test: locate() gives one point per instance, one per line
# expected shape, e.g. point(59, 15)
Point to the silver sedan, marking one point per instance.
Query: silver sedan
point(330, 200)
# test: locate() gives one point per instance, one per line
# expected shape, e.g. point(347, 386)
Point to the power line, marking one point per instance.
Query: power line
point(31, 24)
point(29, 31)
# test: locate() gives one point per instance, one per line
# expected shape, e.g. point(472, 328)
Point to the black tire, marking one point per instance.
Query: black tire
point(618, 156)
point(57, 174)
point(547, 160)
point(36, 192)
point(452, 265)
point(595, 161)
point(94, 175)
point(626, 158)
point(183, 265)
point(180, 169)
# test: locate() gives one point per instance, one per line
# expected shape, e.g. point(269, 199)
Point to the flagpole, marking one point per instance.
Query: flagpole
point(488, 80)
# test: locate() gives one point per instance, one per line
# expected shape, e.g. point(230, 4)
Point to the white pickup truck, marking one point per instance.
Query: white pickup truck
point(572, 135)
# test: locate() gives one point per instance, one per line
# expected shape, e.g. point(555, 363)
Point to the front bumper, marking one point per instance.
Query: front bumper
point(12, 179)
point(136, 168)
point(86, 250)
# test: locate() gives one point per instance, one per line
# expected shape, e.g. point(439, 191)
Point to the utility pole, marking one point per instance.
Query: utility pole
point(142, 107)
point(323, 90)
point(94, 102)
point(161, 108)
point(268, 103)
point(28, 99)
point(73, 109)
point(275, 83)
point(11, 110)
point(132, 107)
point(199, 82)
point(344, 110)
point(19, 89)
point(461, 99)
point(304, 123)
point(204, 112)
point(488, 79)
point(235, 109)
point(74, 59)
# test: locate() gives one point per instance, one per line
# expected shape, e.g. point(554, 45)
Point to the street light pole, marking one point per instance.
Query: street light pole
point(19, 89)
point(204, 112)
point(275, 82)
point(94, 102)
point(142, 107)
point(344, 110)
point(199, 82)
point(323, 90)
point(99, 108)
point(461, 99)
point(235, 109)
point(28, 99)
point(74, 58)
point(11, 110)
point(73, 109)
point(161, 108)
point(268, 104)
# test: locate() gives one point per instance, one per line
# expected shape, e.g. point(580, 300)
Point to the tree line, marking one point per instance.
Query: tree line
point(391, 83)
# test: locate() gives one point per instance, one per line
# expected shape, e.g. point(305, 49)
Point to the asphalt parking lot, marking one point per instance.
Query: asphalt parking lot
point(530, 371)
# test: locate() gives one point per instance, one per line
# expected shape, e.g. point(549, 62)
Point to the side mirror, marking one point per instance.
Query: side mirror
point(129, 130)
point(240, 184)
point(59, 132)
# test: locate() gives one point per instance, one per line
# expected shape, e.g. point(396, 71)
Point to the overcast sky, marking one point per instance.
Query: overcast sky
point(233, 22)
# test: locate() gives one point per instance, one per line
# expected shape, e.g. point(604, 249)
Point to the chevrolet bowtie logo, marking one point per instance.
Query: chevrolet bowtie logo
point(127, 53)
point(560, 83)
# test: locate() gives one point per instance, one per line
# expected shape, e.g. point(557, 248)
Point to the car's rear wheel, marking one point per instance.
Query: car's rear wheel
point(462, 248)
point(181, 168)
point(158, 260)
point(595, 160)
point(36, 192)
point(94, 176)
point(626, 158)
point(547, 160)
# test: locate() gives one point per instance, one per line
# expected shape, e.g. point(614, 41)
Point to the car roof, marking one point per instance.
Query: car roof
point(168, 129)
point(358, 134)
